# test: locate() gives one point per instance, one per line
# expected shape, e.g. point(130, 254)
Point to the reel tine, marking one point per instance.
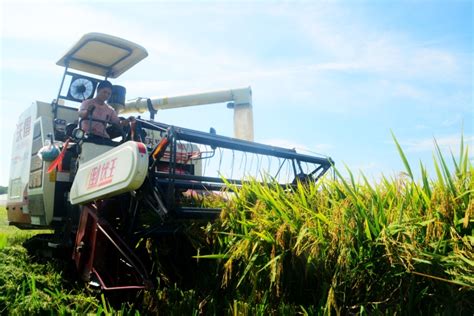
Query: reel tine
point(232, 165)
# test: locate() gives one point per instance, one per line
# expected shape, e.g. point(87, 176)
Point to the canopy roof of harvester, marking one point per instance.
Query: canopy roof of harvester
point(103, 55)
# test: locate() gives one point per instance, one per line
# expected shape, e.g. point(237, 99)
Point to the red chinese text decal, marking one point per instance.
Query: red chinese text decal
point(102, 174)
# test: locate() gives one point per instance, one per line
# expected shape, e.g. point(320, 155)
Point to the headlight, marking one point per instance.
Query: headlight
point(78, 134)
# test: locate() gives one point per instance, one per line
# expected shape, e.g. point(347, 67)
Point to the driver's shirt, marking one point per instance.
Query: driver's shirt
point(102, 112)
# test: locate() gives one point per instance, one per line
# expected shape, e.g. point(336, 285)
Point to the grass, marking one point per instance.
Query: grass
point(10, 235)
point(31, 287)
point(401, 246)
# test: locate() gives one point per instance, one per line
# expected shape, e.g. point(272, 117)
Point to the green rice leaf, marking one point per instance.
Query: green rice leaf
point(367, 230)
point(402, 155)
point(445, 169)
point(213, 256)
point(421, 260)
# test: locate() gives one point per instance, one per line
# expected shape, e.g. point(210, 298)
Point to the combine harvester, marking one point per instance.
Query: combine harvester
point(101, 197)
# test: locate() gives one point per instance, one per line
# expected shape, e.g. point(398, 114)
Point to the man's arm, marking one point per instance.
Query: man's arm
point(85, 109)
point(114, 117)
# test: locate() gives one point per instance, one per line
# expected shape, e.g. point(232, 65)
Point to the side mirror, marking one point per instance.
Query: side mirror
point(78, 134)
point(70, 128)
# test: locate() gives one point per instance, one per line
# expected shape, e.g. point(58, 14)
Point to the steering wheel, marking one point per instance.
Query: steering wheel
point(114, 130)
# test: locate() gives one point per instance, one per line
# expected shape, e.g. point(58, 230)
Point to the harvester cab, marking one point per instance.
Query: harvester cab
point(37, 198)
point(103, 197)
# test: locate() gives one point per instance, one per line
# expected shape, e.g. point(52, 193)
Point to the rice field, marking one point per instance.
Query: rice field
point(401, 246)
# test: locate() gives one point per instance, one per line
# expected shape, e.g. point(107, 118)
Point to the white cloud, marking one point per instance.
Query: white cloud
point(454, 120)
point(9, 113)
point(313, 149)
point(409, 91)
point(421, 126)
point(336, 66)
point(63, 24)
point(28, 65)
point(446, 143)
point(362, 47)
point(51, 22)
point(208, 68)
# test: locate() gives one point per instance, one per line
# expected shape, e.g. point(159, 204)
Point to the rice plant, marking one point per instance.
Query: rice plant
point(403, 245)
point(399, 246)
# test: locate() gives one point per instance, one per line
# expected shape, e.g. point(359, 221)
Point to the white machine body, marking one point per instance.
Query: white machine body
point(121, 169)
point(33, 193)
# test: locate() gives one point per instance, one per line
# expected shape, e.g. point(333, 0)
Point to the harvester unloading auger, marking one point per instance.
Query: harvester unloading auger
point(103, 197)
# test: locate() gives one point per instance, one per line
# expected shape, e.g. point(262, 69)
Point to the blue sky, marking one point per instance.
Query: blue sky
point(327, 77)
